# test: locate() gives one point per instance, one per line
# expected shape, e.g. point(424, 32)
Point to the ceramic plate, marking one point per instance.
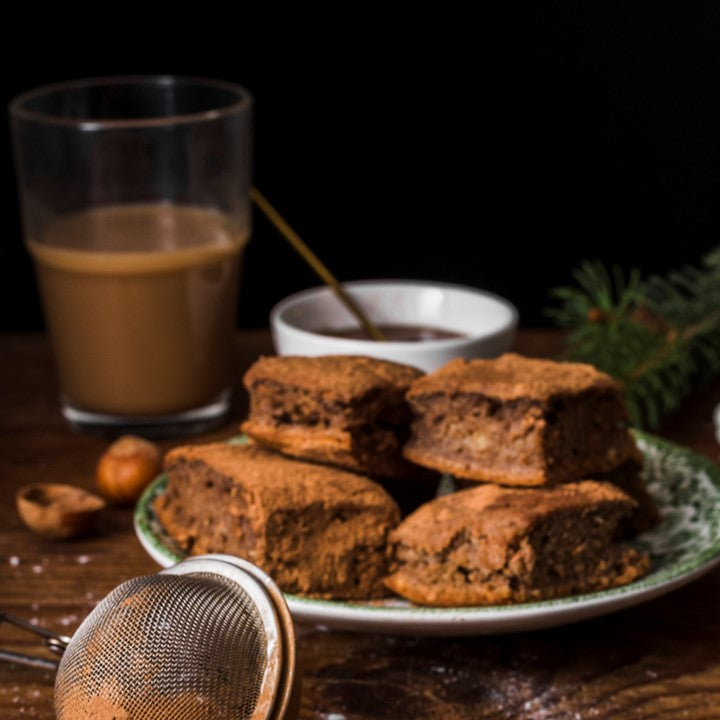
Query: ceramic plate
point(685, 486)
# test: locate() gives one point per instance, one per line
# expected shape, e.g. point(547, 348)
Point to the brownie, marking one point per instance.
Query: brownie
point(316, 530)
point(348, 411)
point(493, 545)
point(518, 421)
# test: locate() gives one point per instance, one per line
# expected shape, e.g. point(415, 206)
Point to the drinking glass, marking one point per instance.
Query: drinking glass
point(134, 197)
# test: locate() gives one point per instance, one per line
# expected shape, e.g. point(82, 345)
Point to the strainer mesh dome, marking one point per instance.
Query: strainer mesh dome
point(161, 646)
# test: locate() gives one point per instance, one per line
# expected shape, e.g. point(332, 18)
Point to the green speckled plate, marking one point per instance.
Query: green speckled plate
point(685, 486)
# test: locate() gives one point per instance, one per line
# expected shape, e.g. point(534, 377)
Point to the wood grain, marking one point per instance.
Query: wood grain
point(659, 660)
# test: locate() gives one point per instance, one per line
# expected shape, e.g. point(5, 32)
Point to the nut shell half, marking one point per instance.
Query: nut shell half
point(57, 510)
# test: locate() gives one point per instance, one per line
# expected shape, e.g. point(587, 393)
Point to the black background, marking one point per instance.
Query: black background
point(490, 147)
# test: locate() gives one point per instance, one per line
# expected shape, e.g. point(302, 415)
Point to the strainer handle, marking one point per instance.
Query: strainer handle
point(54, 642)
point(28, 660)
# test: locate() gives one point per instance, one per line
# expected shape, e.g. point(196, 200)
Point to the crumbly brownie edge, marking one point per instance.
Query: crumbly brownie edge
point(235, 531)
point(331, 552)
point(474, 437)
point(585, 433)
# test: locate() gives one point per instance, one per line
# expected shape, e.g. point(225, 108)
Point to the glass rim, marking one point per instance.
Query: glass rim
point(18, 110)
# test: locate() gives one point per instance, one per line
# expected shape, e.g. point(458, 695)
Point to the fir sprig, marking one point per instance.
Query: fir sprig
point(660, 338)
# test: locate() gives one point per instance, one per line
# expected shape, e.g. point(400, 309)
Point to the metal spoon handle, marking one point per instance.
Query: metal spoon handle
point(315, 263)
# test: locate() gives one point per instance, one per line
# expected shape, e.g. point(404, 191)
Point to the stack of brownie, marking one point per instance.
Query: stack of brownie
point(340, 440)
point(550, 468)
point(309, 501)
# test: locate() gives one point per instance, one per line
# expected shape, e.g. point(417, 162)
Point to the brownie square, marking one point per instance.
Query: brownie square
point(493, 545)
point(316, 530)
point(518, 421)
point(344, 410)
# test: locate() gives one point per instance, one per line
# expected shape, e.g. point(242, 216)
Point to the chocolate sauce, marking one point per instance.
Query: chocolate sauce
point(395, 333)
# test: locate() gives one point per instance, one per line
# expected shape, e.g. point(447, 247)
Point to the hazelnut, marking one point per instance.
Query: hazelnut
point(126, 468)
point(56, 510)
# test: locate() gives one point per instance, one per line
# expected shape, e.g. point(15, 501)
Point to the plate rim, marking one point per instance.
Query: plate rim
point(405, 617)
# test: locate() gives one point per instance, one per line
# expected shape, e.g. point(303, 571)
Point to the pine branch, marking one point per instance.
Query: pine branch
point(660, 338)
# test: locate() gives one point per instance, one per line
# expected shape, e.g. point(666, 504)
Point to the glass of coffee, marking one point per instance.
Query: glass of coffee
point(134, 197)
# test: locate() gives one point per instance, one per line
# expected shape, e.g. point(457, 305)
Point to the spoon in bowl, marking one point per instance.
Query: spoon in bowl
point(315, 263)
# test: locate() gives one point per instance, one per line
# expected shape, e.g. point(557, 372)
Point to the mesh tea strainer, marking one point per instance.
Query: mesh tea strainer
point(208, 638)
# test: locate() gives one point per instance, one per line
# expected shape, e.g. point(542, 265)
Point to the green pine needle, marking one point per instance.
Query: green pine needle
point(660, 338)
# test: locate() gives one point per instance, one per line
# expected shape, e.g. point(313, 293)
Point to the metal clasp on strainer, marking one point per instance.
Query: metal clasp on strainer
point(208, 638)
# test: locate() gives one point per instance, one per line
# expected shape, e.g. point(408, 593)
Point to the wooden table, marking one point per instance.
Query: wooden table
point(657, 660)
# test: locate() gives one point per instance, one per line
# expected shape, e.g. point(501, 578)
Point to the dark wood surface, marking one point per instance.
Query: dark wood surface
point(657, 660)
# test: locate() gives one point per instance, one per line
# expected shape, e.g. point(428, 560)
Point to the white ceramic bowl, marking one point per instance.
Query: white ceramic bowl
point(486, 323)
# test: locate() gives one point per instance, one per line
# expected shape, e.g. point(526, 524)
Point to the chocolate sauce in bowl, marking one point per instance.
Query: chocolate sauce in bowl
point(395, 333)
